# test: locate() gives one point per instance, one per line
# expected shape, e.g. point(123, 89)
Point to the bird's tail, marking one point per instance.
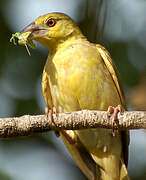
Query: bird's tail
point(124, 172)
point(110, 169)
point(95, 167)
point(105, 176)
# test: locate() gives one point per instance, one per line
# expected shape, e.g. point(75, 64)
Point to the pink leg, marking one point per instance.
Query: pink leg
point(114, 111)
point(49, 113)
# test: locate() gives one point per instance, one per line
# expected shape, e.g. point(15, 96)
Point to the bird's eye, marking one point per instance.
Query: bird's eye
point(51, 22)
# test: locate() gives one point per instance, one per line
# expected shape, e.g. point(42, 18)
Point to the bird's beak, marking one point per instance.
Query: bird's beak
point(35, 29)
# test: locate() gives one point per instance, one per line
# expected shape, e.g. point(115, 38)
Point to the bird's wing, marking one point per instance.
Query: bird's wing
point(46, 90)
point(112, 70)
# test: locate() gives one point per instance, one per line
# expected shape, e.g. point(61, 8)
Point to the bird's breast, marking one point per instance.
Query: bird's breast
point(73, 83)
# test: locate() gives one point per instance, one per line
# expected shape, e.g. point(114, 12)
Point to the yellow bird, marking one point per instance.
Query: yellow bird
point(81, 75)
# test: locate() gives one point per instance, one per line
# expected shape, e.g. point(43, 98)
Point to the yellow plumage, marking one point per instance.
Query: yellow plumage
point(80, 75)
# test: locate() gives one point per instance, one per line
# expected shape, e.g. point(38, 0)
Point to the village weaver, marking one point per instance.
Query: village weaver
point(80, 75)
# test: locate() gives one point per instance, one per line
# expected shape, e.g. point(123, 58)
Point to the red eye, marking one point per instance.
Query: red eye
point(51, 22)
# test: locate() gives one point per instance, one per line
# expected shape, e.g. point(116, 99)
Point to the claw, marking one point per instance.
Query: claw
point(114, 111)
point(49, 113)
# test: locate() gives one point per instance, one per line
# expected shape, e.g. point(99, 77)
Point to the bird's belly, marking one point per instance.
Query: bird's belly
point(92, 139)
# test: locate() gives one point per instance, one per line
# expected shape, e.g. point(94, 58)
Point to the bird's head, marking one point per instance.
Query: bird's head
point(52, 28)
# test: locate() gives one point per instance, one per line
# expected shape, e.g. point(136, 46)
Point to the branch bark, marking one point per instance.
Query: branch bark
point(85, 119)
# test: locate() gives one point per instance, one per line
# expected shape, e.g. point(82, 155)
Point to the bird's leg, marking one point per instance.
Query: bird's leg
point(49, 113)
point(113, 111)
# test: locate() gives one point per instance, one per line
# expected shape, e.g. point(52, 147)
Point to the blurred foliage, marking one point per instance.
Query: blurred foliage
point(4, 175)
point(129, 74)
point(38, 157)
point(137, 95)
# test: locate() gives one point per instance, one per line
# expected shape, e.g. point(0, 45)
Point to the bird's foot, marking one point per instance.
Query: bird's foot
point(49, 113)
point(113, 111)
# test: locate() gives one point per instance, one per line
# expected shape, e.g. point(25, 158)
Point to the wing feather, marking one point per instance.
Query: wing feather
point(46, 90)
point(112, 70)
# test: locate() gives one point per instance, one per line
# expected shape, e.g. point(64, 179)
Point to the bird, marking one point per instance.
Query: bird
point(81, 75)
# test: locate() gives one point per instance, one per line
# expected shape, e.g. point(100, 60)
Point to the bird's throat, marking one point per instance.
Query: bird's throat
point(54, 44)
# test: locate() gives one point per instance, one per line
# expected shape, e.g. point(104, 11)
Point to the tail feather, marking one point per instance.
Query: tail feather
point(111, 168)
point(123, 172)
point(96, 166)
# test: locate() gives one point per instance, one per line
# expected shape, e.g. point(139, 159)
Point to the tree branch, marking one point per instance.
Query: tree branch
point(85, 119)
